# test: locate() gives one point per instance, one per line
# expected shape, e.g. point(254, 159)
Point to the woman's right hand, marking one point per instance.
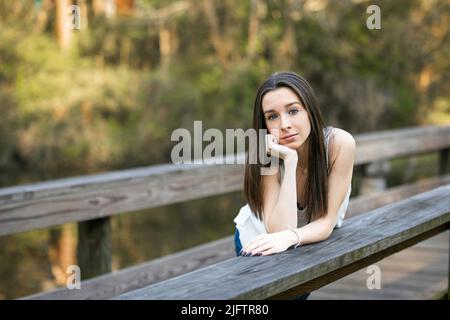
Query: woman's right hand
point(278, 150)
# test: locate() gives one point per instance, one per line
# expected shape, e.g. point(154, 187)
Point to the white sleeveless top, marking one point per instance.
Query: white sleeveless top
point(250, 226)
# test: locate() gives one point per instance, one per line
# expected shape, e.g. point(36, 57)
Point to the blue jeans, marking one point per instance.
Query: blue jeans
point(237, 243)
point(238, 248)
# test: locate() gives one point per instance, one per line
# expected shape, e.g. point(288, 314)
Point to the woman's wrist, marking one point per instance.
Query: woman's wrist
point(298, 240)
point(291, 236)
point(291, 162)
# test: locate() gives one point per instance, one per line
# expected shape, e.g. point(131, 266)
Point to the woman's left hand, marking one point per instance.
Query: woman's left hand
point(269, 243)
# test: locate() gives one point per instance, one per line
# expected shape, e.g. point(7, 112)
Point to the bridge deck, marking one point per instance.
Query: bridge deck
point(419, 272)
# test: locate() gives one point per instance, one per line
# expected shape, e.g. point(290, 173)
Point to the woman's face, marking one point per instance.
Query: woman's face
point(285, 116)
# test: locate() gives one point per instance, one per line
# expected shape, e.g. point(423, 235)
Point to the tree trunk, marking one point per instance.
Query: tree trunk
point(257, 12)
point(166, 44)
point(63, 31)
point(61, 252)
point(288, 48)
point(221, 47)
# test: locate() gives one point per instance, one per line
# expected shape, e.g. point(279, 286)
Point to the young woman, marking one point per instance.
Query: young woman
point(308, 197)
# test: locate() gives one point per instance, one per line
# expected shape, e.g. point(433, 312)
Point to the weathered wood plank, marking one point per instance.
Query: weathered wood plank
point(47, 204)
point(414, 273)
point(362, 237)
point(370, 202)
point(201, 256)
point(401, 142)
point(110, 285)
point(337, 274)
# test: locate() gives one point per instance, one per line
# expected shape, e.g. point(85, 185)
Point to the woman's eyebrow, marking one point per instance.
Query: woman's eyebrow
point(287, 105)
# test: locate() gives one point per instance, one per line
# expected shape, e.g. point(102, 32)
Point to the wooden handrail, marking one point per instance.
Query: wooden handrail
point(362, 240)
point(147, 273)
point(91, 200)
point(47, 204)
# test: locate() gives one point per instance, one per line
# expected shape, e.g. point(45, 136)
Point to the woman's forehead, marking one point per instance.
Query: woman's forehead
point(279, 98)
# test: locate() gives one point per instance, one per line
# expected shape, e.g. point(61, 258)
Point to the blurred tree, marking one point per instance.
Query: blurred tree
point(63, 31)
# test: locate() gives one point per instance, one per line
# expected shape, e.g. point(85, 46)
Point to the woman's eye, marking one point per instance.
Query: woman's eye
point(273, 116)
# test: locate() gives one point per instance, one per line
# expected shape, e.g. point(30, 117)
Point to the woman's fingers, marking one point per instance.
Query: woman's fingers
point(268, 252)
point(272, 147)
point(261, 249)
point(255, 244)
point(268, 144)
point(266, 244)
point(271, 140)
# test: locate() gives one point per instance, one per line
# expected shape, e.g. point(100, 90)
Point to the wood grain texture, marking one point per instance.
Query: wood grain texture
point(361, 204)
point(53, 203)
point(331, 277)
point(401, 142)
point(419, 272)
point(144, 274)
point(47, 204)
point(361, 237)
point(110, 285)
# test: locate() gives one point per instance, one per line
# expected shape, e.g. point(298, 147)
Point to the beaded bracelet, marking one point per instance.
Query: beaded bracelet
point(299, 242)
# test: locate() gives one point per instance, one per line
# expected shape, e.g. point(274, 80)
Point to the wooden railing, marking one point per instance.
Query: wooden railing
point(91, 200)
point(362, 240)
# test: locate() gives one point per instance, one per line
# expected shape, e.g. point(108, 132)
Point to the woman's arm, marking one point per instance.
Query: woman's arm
point(279, 204)
point(339, 182)
point(320, 229)
point(280, 208)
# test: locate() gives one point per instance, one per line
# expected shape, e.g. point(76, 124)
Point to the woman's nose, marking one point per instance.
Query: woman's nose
point(285, 123)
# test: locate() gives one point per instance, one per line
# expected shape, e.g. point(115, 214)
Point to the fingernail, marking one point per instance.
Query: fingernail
point(244, 253)
point(258, 254)
point(240, 252)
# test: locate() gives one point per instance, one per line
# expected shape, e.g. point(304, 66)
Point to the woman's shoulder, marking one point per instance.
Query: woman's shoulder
point(342, 138)
point(342, 145)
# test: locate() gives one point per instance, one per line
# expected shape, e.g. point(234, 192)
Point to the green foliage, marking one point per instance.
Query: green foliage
point(104, 102)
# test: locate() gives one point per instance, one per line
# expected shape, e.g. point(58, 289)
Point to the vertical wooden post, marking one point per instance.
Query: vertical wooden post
point(374, 177)
point(444, 161)
point(94, 247)
point(444, 168)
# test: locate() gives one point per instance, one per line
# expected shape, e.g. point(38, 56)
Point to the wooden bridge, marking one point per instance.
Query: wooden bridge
point(377, 226)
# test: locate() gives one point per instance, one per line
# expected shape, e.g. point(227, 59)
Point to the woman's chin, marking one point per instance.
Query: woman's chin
point(292, 146)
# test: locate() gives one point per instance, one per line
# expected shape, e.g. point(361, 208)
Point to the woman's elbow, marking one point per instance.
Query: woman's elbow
point(328, 230)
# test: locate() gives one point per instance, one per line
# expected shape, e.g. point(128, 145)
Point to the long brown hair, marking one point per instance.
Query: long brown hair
point(317, 178)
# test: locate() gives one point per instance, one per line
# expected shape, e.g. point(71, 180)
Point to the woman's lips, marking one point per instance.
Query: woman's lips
point(290, 137)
